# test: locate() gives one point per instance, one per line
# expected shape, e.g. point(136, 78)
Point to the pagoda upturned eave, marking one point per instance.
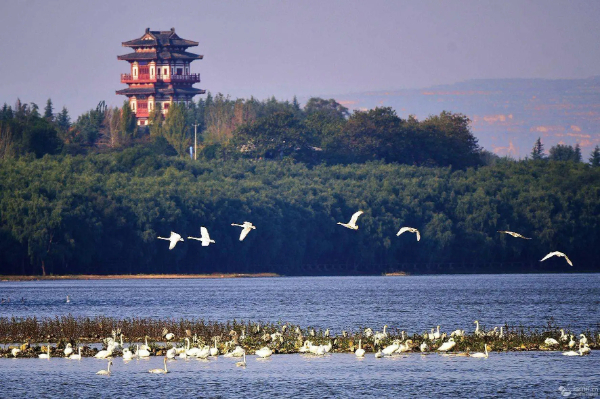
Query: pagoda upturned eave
point(136, 91)
point(154, 42)
point(163, 55)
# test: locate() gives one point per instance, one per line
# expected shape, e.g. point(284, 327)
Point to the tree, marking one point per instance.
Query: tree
point(275, 136)
point(49, 111)
point(330, 107)
point(562, 152)
point(128, 123)
point(6, 113)
point(175, 129)
point(34, 110)
point(578, 156)
point(63, 120)
point(371, 135)
point(155, 123)
point(447, 140)
point(537, 152)
point(595, 157)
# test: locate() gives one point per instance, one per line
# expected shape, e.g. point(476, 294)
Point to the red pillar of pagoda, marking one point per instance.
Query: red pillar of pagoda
point(160, 72)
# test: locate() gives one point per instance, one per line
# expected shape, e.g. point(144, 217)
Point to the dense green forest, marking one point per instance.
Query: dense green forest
point(93, 195)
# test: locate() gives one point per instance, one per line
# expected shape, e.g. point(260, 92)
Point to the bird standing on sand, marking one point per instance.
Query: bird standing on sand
point(512, 233)
point(246, 227)
point(556, 253)
point(411, 230)
point(174, 239)
point(352, 223)
point(204, 237)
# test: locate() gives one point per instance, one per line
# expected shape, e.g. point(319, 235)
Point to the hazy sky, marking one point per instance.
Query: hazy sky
point(67, 50)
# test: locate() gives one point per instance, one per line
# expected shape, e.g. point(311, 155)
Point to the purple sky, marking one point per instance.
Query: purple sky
point(67, 50)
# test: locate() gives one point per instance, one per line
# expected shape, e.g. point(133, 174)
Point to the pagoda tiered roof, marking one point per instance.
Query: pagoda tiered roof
point(136, 91)
point(160, 38)
point(163, 55)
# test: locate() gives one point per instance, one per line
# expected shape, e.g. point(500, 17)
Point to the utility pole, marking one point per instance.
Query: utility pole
point(196, 140)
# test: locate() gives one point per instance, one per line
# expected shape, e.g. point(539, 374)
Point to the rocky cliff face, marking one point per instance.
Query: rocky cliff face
point(508, 114)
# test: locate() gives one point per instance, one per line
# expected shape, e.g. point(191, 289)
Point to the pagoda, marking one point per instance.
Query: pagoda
point(160, 73)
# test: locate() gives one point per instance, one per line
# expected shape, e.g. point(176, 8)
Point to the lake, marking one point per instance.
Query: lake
point(411, 303)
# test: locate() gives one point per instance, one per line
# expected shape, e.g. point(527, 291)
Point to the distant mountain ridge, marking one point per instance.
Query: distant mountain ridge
point(508, 114)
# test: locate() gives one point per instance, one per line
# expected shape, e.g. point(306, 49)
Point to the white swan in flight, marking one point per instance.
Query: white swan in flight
point(160, 371)
point(556, 253)
point(512, 233)
point(246, 227)
point(352, 223)
point(410, 230)
point(174, 239)
point(204, 237)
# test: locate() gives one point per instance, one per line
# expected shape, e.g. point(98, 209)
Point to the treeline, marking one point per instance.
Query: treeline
point(101, 214)
point(323, 131)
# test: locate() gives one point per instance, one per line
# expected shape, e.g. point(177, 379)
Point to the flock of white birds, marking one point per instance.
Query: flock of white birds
point(398, 346)
point(247, 226)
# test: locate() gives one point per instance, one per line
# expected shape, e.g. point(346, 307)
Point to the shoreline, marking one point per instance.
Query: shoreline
point(136, 276)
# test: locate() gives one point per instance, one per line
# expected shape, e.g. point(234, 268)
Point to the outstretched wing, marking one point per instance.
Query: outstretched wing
point(204, 233)
point(172, 244)
point(402, 230)
point(244, 233)
point(568, 260)
point(512, 233)
point(354, 217)
point(418, 235)
point(551, 254)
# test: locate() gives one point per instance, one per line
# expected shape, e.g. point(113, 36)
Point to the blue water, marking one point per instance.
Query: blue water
point(412, 303)
point(522, 374)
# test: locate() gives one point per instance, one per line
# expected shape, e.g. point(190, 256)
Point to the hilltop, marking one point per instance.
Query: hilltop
point(507, 115)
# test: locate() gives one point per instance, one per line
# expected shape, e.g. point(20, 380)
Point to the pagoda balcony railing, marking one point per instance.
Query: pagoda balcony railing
point(146, 78)
point(190, 78)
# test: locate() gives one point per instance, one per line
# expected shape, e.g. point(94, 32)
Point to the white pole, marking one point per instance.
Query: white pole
point(195, 141)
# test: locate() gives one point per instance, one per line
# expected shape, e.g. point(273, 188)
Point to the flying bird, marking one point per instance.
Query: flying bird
point(556, 253)
point(174, 239)
point(512, 233)
point(352, 223)
point(204, 237)
point(246, 227)
point(409, 229)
